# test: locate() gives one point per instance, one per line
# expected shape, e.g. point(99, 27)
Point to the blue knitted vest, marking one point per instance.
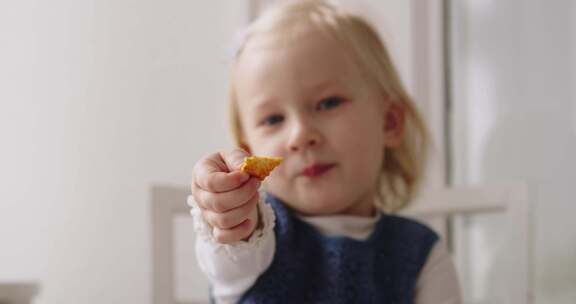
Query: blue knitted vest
point(309, 267)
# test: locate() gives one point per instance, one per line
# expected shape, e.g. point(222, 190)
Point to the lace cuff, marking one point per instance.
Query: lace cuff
point(235, 250)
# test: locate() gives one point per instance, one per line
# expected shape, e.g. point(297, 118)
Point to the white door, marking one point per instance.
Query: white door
point(514, 119)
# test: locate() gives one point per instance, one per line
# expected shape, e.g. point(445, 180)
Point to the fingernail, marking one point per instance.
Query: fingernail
point(239, 161)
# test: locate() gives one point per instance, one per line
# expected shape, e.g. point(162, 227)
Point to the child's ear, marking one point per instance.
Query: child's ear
point(394, 123)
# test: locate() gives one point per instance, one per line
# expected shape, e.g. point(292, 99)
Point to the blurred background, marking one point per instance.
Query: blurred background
point(106, 105)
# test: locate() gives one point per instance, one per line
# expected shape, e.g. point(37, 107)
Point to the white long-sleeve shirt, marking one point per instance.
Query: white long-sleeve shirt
point(233, 268)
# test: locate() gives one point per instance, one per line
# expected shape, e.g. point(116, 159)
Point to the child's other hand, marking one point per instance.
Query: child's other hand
point(227, 197)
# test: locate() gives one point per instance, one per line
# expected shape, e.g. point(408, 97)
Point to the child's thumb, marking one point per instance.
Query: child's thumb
point(234, 159)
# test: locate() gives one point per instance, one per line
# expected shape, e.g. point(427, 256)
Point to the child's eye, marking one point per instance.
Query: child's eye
point(272, 120)
point(329, 103)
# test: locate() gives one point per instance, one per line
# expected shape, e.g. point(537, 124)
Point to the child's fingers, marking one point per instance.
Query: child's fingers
point(231, 218)
point(234, 158)
point(210, 175)
point(221, 182)
point(235, 234)
point(225, 201)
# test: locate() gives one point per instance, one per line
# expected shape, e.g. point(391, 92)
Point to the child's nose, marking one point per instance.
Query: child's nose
point(304, 137)
point(310, 143)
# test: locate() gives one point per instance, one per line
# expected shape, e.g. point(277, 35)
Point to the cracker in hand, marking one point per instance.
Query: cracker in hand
point(260, 167)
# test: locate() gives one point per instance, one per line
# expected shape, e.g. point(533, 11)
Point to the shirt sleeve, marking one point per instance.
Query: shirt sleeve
point(233, 268)
point(438, 280)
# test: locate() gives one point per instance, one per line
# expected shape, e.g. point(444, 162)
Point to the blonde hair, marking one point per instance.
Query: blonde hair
point(403, 167)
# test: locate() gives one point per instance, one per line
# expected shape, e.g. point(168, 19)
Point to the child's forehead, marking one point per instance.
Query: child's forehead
point(310, 58)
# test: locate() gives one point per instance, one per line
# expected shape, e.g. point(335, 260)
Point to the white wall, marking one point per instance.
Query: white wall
point(98, 101)
point(394, 21)
point(514, 121)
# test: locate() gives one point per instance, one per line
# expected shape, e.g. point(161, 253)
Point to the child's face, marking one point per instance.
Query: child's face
point(308, 103)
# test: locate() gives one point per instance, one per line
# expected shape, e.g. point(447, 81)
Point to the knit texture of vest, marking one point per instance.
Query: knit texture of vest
point(309, 267)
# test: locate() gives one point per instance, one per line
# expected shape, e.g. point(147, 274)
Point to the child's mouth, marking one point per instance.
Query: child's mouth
point(317, 170)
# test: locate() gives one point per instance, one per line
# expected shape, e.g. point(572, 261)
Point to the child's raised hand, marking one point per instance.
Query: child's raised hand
point(227, 197)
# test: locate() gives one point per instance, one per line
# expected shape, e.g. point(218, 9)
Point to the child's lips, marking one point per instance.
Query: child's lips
point(316, 170)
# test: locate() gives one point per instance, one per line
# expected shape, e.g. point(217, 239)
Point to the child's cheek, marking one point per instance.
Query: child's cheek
point(276, 178)
point(277, 174)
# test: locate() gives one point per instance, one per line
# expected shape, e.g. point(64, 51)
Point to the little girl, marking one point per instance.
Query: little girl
point(315, 85)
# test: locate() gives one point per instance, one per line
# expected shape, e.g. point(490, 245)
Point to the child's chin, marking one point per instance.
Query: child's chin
point(312, 201)
point(322, 205)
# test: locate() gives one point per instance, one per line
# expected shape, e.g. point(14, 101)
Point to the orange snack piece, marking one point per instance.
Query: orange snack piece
point(260, 167)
